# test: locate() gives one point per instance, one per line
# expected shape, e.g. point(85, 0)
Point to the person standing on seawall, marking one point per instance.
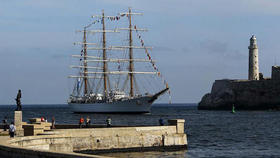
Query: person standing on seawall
point(108, 121)
point(42, 119)
point(5, 122)
point(87, 121)
point(81, 122)
point(53, 122)
point(161, 123)
point(12, 130)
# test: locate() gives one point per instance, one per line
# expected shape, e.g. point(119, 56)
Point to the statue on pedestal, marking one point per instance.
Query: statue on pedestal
point(18, 101)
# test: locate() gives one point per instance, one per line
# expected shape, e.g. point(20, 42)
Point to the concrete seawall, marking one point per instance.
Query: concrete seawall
point(93, 140)
point(10, 151)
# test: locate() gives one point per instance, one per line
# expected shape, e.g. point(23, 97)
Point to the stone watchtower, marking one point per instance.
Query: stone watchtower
point(253, 59)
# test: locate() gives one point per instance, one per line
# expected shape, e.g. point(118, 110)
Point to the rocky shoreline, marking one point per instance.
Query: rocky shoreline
point(243, 94)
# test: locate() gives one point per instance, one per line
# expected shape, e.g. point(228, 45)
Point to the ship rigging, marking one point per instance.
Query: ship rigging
point(94, 71)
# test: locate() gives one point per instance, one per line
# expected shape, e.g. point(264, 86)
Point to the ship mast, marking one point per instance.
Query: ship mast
point(105, 60)
point(105, 69)
point(131, 65)
point(85, 62)
point(131, 47)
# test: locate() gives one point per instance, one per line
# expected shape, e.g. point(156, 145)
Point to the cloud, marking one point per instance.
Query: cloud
point(203, 7)
point(212, 46)
point(221, 49)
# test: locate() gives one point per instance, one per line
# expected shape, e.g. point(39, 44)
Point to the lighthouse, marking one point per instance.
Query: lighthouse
point(253, 59)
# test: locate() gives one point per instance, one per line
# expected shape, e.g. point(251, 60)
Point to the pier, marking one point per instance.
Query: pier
point(38, 140)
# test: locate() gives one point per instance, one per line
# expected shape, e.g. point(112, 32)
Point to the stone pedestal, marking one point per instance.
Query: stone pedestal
point(18, 123)
point(33, 129)
point(179, 123)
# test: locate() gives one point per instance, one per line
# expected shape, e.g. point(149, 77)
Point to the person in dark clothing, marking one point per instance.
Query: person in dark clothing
point(53, 122)
point(18, 101)
point(161, 122)
point(5, 122)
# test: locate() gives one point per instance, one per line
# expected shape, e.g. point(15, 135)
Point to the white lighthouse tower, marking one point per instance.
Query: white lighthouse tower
point(253, 59)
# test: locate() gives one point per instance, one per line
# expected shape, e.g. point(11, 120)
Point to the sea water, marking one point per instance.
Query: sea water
point(210, 133)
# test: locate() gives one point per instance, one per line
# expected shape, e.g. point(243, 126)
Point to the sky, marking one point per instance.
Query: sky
point(194, 43)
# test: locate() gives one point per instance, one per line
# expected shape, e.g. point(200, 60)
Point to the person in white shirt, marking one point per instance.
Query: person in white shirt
point(12, 130)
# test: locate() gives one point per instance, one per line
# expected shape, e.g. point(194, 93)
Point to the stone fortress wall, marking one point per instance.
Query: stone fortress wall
point(256, 93)
point(275, 73)
point(244, 94)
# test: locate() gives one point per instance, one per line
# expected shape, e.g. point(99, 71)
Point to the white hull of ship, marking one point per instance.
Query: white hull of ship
point(137, 105)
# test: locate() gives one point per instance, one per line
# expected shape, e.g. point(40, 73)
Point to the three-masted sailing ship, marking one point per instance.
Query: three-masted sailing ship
point(99, 88)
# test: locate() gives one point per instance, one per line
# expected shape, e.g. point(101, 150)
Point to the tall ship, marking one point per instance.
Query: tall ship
point(116, 74)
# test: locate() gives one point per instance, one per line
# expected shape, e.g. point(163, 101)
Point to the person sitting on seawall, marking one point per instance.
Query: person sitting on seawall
point(12, 130)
